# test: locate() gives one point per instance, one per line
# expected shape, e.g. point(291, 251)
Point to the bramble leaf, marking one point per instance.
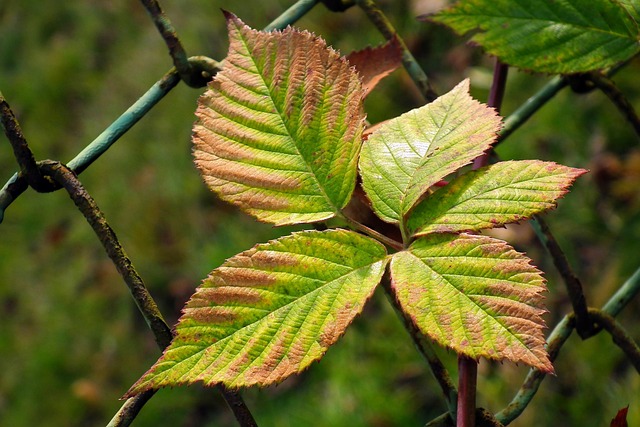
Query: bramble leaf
point(569, 36)
point(474, 294)
point(374, 64)
point(405, 156)
point(493, 196)
point(279, 130)
point(270, 312)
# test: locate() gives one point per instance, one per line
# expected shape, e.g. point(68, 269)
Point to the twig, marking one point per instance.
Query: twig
point(584, 326)
point(147, 306)
point(618, 334)
point(291, 15)
point(608, 87)
point(496, 94)
point(623, 295)
point(410, 64)
point(467, 383)
point(21, 150)
point(530, 106)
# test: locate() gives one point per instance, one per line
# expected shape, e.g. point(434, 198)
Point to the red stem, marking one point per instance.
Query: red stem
point(467, 381)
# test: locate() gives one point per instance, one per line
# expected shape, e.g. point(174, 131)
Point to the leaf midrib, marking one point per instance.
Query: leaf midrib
point(284, 124)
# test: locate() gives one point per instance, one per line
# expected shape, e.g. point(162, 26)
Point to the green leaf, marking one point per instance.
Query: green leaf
point(473, 294)
point(279, 130)
point(493, 196)
point(568, 36)
point(271, 311)
point(407, 155)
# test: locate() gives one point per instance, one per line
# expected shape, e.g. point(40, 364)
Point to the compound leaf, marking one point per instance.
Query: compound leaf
point(474, 294)
point(271, 311)
point(493, 196)
point(279, 130)
point(568, 36)
point(405, 156)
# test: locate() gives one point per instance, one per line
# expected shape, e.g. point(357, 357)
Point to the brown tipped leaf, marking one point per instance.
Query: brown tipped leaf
point(374, 64)
point(474, 294)
point(270, 312)
point(279, 130)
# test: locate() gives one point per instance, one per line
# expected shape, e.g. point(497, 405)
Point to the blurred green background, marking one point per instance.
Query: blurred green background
point(71, 340)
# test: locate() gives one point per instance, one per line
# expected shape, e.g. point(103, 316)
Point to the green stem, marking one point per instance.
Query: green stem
point(530, 106)
point(291, 15)
point(623, 295)
point(383, 25)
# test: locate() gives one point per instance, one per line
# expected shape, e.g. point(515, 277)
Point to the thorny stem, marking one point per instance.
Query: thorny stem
point(584, 326)
point(147, 306)
point(425, 348)
point(383, 25)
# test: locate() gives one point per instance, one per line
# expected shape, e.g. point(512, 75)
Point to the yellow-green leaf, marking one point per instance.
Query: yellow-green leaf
point(279, 130)
point(475, 295)
point(405, 156)
point(493, 196)
point(270, 312)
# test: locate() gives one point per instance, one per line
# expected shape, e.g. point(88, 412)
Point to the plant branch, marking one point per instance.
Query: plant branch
point(618, 334)
point(291, 15)
point(608, 87)
point(467, 383)
point(23, 154)
point(496, 94)
point(147, 306)
point(383, 25)
point(530, 106)
point(623, 295)
point(425, 348)
point(584, 326)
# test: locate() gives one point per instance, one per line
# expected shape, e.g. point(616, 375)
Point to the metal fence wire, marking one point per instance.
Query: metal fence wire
point(196, 71)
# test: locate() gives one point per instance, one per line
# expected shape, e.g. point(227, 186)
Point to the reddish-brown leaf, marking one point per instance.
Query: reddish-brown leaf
point(375, 63)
